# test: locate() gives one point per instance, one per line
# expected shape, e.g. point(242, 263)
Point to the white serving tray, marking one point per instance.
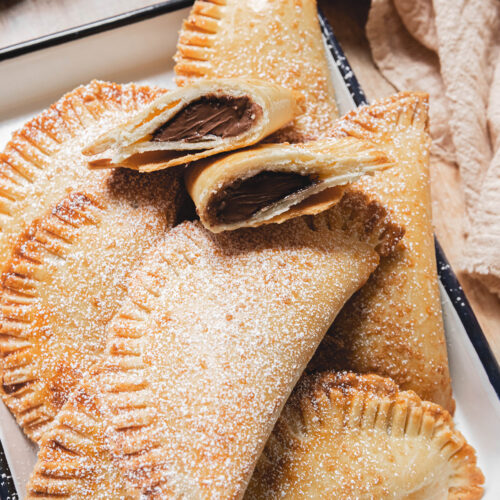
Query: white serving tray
point(139, 46)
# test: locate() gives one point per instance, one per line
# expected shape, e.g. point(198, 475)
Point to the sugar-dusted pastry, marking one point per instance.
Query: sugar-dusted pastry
point(200, 120)
point(276, 182)
point(43, 158)
point(276, 41)
point(213, 335)
point(347, 436)
point(394, 326)
point(65, 279)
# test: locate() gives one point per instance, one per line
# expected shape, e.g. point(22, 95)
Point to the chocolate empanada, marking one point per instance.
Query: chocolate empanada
point(352, 436)
point(43, 159)
point(200, 359)
point(66, 274)
point(275, 41)
point(276, 182)
point(200, 120)
point(394, 325)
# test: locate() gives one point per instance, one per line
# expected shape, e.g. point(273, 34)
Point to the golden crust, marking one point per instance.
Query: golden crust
point(394, 326)
point(328, 163)
point(347, 436)
point(130, 144)
point(49, 334)
point(63, 283)
point(43, 158)
point(190, 388)
point(276, 41)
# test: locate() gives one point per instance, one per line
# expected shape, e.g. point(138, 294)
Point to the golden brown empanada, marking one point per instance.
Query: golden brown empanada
point(213, 335)
point(276, 41)
point(66, 233)
point(394, 326)
point(43, 158)
point(349, 436)
point(276, 182)
point(200, 120)
point(64, 281)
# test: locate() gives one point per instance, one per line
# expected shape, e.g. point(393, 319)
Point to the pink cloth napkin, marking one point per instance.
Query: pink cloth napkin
point(451, 49)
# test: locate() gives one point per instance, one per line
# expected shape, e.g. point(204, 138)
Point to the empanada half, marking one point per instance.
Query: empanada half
point(65, 280)
point(199, 120)
point(213, 335)
point(349, 436)
point(394, 325)
point(275, 41)
point(276, 182)
point(43, 159)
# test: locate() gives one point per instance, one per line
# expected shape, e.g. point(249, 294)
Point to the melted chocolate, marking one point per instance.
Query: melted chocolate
point(241, 200)
point(220, 116)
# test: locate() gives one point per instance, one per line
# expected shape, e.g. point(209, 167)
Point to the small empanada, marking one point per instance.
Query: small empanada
point(276, 182)
point(347, 436)
point(200, 359)
point(394, 325)
point(65, 280)
point(276, 41)
point(69, 238)
point(200, 120)
point(43, 159)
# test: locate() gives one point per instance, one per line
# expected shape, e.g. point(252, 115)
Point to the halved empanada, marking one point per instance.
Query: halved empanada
point(276, 182)
point(394, 325)
point(347, 436)
point(213, 335)
point(194, 122)
point(43, 159)
point(65, 280)
point(276, 41)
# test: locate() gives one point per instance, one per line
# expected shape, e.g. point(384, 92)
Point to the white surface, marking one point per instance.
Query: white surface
point(143, 52)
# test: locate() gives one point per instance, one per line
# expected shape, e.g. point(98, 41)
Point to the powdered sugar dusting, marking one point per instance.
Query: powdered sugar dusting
point(394, 326)
point(362, 438)
point(278, 41)
point(67, 274)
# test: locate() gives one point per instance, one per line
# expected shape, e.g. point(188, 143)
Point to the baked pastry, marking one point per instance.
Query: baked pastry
point(200, 359)
point(279, 42)
point(275, 182)
point(351, 436)
point(200, 120)
point(43, 158)
point(64, 281)
point(394, 325)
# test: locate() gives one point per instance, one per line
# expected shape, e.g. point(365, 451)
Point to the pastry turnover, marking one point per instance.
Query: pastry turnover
point(65, 256)
point(394, 326)
point(194, 122)
point(348, 436)
point(275, 182)
point(275, 41)
point(64, 281)
point(200, 359)
point(44, 157)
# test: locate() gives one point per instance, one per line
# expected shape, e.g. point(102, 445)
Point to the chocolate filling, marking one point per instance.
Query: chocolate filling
point(242, 199)
point(209, 116)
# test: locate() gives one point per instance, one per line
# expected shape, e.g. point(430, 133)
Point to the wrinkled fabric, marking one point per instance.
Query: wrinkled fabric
point(451, 49)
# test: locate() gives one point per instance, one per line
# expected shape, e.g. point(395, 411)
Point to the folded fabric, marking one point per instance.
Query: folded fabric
point(451, 49)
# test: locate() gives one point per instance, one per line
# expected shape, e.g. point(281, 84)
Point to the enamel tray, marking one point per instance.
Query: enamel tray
point(139, 46)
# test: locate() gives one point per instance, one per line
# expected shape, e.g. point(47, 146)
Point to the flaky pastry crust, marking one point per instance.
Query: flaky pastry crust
point(325, 165)
point(43, 159)
point(132, 144)
point(349, 436)
point(394, 325)
point(204, 351)
point(274, 41)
